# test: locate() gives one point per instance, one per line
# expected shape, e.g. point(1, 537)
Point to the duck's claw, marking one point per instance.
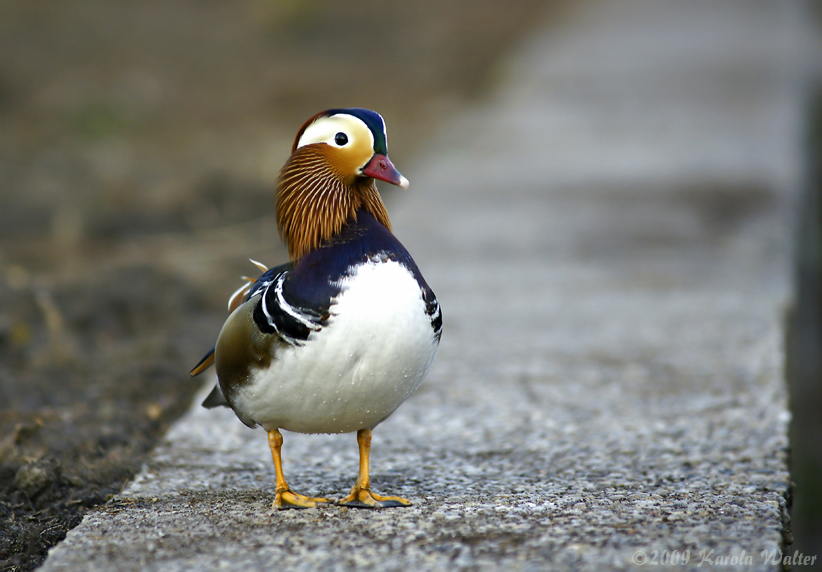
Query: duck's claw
point(284, 497)
point(364, 498)
point(361, 495)
point(288, 499)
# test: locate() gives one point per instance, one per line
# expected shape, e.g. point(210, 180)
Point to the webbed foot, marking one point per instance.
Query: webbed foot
point(289, 499)
point(284, 497)
point(364, 498)
point(361, 495)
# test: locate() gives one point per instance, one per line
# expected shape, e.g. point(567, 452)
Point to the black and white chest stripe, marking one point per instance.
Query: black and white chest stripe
point(432, 308)
point(275, 314)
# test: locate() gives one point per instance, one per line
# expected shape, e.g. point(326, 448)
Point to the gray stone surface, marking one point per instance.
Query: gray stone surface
point(609, 235)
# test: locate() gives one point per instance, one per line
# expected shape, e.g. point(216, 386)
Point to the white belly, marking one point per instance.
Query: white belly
point(371, 356)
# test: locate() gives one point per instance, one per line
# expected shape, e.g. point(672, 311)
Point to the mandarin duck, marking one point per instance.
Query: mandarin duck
point(336, 339)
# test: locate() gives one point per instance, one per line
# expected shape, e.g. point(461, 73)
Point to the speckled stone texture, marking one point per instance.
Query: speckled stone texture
point(609, 234)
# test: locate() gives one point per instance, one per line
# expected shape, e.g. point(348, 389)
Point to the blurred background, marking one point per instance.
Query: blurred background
point(139, 145)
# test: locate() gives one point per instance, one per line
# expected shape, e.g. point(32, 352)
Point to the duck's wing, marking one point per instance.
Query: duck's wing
point(242, 294)
point(262, 315)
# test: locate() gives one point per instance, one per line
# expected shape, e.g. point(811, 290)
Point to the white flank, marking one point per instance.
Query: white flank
point(372, 355)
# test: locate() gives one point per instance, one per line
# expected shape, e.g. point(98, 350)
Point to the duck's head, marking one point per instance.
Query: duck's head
point(353, 142)
point(330, 175)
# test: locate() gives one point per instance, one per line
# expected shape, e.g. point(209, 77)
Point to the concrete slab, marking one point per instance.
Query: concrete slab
point(610, 237)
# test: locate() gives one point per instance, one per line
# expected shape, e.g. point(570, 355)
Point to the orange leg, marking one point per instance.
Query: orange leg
point(285, 497)
point(361, 495)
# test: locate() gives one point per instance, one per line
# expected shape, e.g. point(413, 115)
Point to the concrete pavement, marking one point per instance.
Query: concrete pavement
point(609, 235)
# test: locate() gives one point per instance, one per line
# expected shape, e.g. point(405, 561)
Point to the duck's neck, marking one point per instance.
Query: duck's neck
point(314, 202)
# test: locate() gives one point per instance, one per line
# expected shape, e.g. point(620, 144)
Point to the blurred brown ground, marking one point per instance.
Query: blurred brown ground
point(139, 144)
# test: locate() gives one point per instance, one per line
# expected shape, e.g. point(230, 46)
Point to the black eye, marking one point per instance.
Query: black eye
point(341, 139)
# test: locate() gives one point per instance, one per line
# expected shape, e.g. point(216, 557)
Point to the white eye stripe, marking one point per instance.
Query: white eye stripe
point(325, 130)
